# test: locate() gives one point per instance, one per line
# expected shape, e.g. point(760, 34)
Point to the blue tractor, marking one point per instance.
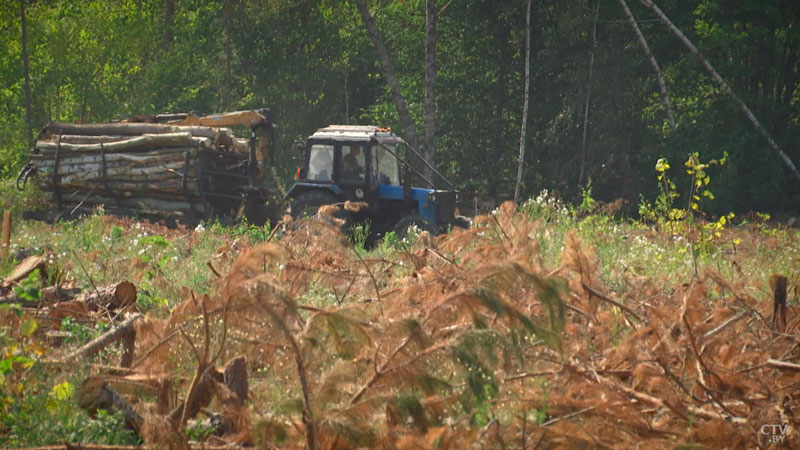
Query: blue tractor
point(364, 165)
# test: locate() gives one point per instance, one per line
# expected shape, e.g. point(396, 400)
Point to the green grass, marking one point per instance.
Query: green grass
point(47, 413)
point(95, 251)
point(628, 249)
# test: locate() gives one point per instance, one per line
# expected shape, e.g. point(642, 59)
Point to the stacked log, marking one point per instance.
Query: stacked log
point(150, 167)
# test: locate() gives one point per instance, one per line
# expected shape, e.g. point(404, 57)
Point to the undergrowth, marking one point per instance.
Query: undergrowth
point(422, 340)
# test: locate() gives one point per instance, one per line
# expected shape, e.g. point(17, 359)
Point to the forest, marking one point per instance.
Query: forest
point(602, 109)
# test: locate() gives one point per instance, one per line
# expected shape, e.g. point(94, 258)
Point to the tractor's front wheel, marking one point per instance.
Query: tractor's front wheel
point(307, 206)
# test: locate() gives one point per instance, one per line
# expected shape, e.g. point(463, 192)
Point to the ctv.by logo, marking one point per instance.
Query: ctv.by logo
point(775, 433)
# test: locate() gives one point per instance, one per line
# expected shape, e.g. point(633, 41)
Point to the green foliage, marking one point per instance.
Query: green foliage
point(12, 198)
point(46, 414)
point(588, 203)
point(254, 233)
point(663, 211)
point(80, 333)
point(28, 289)
point(690, 222)
point(199, 431)
point(700, 180)
point(360, 234)
point(390, 241)
point(312, 63)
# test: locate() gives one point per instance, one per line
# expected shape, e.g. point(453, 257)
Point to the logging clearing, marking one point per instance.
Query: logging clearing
point(531, 328)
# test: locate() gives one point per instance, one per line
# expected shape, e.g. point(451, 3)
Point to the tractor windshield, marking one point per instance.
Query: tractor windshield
point(384, 164)
point(320, 163)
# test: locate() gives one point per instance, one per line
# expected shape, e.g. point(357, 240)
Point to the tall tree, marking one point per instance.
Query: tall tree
point(588, 94)
point(725, 87)
point(389, 72)
point(27, 73)
point(503, 31)
point(169, 20)
point(662, 84)
point(430, 86)
point(525, 103)
point(227, 55)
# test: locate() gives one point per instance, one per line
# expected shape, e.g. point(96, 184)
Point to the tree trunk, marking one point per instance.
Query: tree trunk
point(227, 55)
point(388, 71)
point(138, 143)
point(500, 100)
point(588, 96)
point(169, 15)
point(430, 91)
point(662, 84)
point(111, 297)
point(27, 74)
point(725, 87)
point(102, 341)
point(525, 102)
point(130, 129)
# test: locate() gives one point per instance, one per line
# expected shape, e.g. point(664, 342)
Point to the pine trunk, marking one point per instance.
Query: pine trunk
point(388, 71)
point(521, 166)
point(662, 83)
point(430, 86)
point(725, 87)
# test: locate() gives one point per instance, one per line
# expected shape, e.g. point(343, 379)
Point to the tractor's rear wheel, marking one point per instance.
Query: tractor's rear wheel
point(258, 211)
point(403, 225)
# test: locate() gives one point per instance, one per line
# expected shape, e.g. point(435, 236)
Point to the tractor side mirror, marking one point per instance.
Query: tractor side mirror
point(299, 146)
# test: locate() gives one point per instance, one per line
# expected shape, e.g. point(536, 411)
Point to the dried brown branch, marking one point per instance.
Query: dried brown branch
point(655, 401)
point(607, 299)
point(724, 325)
point(784, 365)
point(308, 417)
point(693, 346)
point(568, 416)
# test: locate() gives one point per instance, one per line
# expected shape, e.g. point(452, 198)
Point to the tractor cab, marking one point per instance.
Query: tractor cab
point(356, 159)
point(364, 164)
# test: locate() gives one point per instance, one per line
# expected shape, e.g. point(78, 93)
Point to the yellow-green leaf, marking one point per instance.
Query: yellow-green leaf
point(28, 327)
point(62, 391)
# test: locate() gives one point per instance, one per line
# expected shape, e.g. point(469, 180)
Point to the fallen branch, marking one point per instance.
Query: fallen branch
point(659, 403)
point(568, 416)
point(724, 325)
point(97, 396)
point(607, 299)
point(68, 446)
point(103, 341)
point(778, 364)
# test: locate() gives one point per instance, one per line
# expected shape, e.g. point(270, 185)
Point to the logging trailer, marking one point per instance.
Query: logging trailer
point(171, 167)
